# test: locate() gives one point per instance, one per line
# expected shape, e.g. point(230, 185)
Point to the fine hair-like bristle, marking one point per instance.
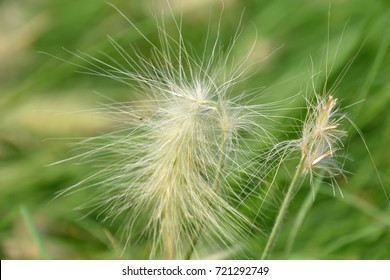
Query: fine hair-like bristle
point(168, 165)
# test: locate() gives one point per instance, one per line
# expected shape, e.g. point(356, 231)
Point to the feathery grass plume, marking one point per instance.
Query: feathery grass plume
point(322, 137)
point(168, 166)
point(320, 141)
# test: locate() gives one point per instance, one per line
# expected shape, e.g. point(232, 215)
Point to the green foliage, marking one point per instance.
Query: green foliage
point(44, 102)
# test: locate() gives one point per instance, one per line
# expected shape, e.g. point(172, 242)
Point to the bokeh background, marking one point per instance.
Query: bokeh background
point(45, 103)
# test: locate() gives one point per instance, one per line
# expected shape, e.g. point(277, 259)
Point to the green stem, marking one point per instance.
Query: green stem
point(34, 232)
point(306, 205)
point(293, 187)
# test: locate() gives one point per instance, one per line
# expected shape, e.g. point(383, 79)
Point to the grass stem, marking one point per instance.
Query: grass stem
point(303, 211)
point(34, 232)
point(293, 187)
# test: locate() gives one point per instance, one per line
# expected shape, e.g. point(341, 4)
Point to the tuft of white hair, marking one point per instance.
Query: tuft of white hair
point(169, 163)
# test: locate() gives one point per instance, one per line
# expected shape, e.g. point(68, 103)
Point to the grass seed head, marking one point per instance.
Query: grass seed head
point(168, 165)
point(322, 136)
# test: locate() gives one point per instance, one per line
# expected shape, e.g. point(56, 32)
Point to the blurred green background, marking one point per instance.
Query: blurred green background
point(44, 103)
